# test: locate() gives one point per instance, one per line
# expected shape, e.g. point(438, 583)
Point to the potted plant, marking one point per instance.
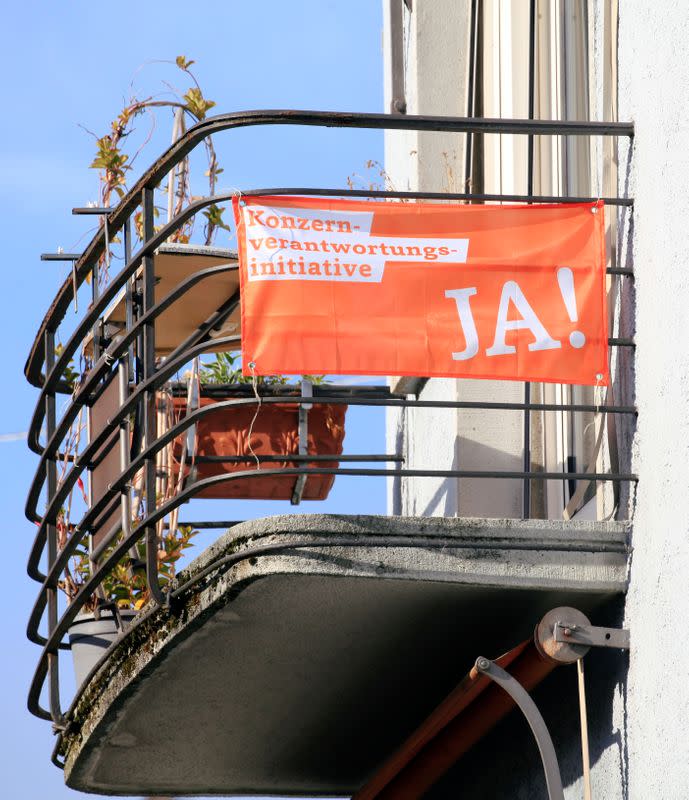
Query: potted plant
point(253, 431)
point(124, 591)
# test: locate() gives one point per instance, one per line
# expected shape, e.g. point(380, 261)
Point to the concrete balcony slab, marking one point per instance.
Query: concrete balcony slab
point(310, 646)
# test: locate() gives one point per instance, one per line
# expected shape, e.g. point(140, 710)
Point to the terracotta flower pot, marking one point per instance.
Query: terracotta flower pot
point(225, 432)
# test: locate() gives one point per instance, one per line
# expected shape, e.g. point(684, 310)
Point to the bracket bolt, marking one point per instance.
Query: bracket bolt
point(483, 664)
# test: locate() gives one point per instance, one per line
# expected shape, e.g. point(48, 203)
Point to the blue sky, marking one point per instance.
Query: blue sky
point(71, 63)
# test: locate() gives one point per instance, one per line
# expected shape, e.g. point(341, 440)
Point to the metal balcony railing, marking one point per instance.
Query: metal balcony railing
point(127, 359)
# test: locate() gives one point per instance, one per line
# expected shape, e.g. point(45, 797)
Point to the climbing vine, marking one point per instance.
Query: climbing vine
point(114, 163)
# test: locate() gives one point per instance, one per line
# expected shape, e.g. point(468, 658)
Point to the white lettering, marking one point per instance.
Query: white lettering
point(512, 293)
point(466, 319)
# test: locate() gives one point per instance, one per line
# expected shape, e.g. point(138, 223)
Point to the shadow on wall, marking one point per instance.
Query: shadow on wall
point(467, 497)
point(506, 764)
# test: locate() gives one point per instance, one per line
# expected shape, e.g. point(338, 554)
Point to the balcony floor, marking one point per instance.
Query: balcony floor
point(297, 672)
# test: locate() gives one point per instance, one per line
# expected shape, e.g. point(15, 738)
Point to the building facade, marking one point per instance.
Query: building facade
point(574, 60)
point(357, 655)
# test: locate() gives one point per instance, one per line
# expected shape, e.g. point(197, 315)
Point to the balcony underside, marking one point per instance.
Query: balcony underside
point(298, 671)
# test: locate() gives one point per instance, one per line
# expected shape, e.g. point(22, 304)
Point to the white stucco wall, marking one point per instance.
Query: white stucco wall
point(654, 87)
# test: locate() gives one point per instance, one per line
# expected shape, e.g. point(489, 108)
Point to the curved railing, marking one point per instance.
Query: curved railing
point(137, 392)
point(222, 122)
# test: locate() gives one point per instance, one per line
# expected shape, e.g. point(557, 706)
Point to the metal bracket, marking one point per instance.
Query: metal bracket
point(591, 635)
point(300, 483)
point(565, 634)
point(60, 256)
point(94, 210)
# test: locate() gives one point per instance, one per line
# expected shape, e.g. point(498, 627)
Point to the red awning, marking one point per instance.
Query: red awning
point(456, 725)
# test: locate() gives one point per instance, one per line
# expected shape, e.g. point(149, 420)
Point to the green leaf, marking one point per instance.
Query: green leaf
point(182, 63)
point(196, 103)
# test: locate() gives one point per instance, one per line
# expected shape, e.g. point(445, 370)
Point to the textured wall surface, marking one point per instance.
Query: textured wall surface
point(654, 86)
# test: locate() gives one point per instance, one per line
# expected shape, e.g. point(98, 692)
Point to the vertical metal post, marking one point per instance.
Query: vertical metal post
point(97, 329)
point(149, 415)
point(398, 103)
point(124, 444)
point(129, 291)
point(304, 408)
point(96, 334)
point(529, 191)
point(51, 532)
point(471, 97)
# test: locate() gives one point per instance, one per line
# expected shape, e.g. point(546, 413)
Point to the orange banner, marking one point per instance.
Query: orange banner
point(345, 287)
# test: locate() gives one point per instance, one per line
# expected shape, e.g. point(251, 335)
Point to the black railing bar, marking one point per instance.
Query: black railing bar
point(94, 375)
point(416, 195)
point(94, 581)
point(207, 524)
point(83, 398)
point(96, 210)
point(33, 701)
point(148, 409)
point(371, 540)
point(51, 598)
point(431, 473)
point(115, 350)
point(57, 567)
point(108, 294)
point(179, 149)
point(286, 390)
point(207, 332)
point(98, 441)
point(198, 413)
point(54, 760)
point(392, 401)
point(526, 432)
point(192, 489)
point(169, 367)
point(59, 564)
point(313, 457)
point(111, 506)
point(191, 419)
point(112, 289)
point(85, 457)
point(99, 457)
point(60, 257)
point(620, 271)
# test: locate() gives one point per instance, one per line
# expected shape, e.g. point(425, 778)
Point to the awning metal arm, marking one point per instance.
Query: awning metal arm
point(536, 722)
